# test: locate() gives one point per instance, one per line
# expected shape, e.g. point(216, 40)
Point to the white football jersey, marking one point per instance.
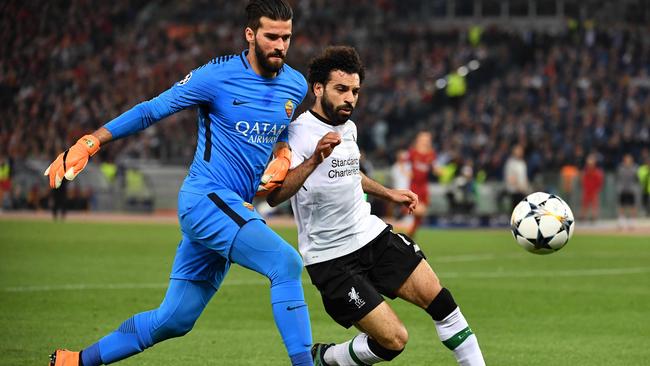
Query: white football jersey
point(332, 215)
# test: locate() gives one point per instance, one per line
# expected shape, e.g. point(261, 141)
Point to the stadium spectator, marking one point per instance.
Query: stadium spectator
point(401, 171)
point(5, 181)
point(627, 187)
point(19, 198)
point(34, 197)
point(592, 184)
point(462, 191)
point(569, 176)
point(400, 177)
point(71, 65)
point(110, 171)
point(60, 201)
point(516, 176)
point(644, 181)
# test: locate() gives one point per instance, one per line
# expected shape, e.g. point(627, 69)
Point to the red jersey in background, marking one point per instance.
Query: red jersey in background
point(592, 183)
point(421, 166)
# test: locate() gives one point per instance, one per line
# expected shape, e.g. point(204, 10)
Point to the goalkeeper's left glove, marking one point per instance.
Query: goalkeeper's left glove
point(275, 172)
point(72, 161)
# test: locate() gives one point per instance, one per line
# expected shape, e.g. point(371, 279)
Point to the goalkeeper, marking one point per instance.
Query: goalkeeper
point(234, 94)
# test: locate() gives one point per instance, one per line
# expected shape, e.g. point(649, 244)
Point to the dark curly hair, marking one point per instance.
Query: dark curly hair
point(343, 58)
point(272, 9)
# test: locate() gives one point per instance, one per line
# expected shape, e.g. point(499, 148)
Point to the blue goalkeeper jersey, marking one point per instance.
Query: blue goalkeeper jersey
point(241, 115)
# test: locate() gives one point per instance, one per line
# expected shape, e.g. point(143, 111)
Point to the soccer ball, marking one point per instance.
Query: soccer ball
point(542, 223)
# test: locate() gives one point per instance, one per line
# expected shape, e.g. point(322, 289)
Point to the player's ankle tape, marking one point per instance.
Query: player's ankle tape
point(442, 305)
point(379, 351)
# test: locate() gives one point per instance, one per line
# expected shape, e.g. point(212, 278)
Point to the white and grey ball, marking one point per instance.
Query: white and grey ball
point(542, 223)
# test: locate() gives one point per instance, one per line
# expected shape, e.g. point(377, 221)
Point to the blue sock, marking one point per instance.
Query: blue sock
point(132, 337)
point(90, 356)
point(258, 248)
point(183, 303)
point(291, 317)
point(302, 359)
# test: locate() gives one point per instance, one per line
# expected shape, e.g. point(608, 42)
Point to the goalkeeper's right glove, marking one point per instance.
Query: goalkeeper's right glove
point(72, 161)
point(275, 172)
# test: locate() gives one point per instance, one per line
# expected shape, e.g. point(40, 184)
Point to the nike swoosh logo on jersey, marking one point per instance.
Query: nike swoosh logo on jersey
point(239, 102)
point(295, 307)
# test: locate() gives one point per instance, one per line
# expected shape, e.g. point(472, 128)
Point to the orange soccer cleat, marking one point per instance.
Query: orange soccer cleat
point(63, 357)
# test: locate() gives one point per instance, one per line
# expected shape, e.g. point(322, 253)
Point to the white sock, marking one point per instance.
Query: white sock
point(454, 332)
point(358, 353)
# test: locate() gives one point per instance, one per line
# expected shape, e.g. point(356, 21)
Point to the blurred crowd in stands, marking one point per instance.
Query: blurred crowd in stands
point(68, 67)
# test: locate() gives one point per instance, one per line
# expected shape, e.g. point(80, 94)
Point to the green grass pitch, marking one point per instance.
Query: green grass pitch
point(67, 284)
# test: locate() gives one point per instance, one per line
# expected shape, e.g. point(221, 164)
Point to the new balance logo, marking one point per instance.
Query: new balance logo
point(356, 297)
point(239, 102)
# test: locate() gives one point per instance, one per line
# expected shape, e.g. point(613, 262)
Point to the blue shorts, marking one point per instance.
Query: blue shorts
point(209, 224)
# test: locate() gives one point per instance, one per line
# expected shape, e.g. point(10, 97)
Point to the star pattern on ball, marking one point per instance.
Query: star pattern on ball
point(542, 223)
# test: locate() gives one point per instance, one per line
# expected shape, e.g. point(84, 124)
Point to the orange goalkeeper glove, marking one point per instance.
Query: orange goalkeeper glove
point(275, 172)
point(72, 161)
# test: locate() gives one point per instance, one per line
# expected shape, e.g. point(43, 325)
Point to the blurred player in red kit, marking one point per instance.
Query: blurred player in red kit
point(422, 158)
point(592, 184)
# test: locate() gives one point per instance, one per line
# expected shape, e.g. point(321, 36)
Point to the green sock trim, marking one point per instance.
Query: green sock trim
point(355, 358)
point(458, 338)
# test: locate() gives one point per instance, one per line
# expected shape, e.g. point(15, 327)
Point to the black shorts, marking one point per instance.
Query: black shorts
point(352, 285)
point(626, 199)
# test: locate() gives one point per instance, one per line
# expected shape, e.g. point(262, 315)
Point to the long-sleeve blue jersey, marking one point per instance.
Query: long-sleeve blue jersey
point(241, 116)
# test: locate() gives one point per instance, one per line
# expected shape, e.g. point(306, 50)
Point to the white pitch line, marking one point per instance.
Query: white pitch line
point(468, 258)
point(83, 287)
point(120, 286)
point(261, 282)
point(549, 273)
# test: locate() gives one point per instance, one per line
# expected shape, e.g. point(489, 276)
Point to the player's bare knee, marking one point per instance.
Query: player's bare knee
point(434, 287)
point(396, 340)
point(390, 351)
point(401, 338)
point(427, 290)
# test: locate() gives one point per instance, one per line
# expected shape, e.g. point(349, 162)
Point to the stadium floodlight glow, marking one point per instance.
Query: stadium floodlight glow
point(463, 71)
point(474, 65)
point(441, 83)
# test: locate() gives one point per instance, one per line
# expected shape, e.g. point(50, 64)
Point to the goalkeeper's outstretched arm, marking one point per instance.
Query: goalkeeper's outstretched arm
point(103, 135)
point(191, 91)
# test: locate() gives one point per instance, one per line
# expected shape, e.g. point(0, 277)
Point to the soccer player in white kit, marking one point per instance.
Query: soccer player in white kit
point(352, 256)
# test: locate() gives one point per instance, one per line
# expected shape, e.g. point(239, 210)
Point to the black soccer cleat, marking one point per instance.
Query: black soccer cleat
point(318, 353)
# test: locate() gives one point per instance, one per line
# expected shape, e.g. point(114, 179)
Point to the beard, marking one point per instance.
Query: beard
point(264, 61)
point(332, 113)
